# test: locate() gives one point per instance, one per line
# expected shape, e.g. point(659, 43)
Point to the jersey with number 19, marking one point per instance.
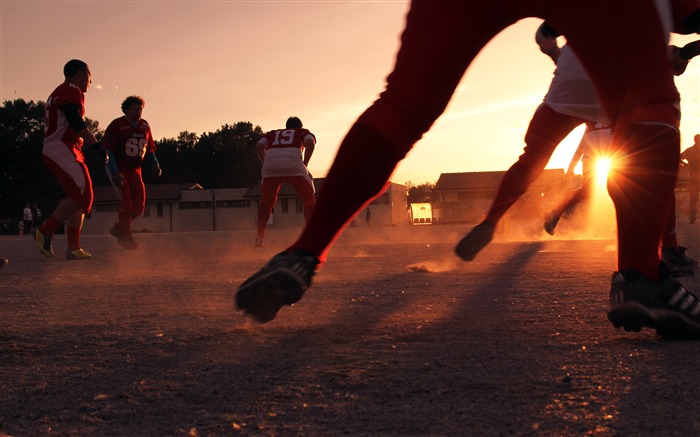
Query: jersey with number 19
point(284, 152)
point(56, 127)
point(129, 142)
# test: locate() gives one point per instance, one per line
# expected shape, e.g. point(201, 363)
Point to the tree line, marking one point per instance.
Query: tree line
point(225, 158)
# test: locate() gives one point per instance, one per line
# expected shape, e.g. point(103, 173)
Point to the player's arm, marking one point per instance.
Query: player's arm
point(309, 146)
point(151, 155)
point(77, 123)
point(546, 38)
point(260, 148)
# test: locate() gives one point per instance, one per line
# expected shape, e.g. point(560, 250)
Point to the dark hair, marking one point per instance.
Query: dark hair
point(73, 66)
point(131, 100)
point(294, 123)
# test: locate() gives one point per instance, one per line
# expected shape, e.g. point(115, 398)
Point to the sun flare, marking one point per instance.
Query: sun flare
point(602, 167)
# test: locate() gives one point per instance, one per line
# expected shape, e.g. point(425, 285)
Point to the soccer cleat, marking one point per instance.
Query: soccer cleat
point(678, 261)
point(125, 242)
point(280, 282)
point(129, 244)
point(44, 243)
point(77, 254)
point(665, 306)
point(259, 242)
point(550, 223)
point(115, 233)
point(476, 239)
point(4, 261)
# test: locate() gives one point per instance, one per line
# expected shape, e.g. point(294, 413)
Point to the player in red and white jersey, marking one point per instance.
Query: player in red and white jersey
point(285, 154)
point(622, 45)
point(65, 133)
point(128, 141)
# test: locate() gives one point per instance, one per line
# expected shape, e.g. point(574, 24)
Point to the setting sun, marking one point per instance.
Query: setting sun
point(602, 167)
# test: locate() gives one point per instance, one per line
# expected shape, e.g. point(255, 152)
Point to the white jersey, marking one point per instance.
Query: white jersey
point(572, 92)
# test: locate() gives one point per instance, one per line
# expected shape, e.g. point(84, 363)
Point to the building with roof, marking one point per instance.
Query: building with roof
point(466, 197)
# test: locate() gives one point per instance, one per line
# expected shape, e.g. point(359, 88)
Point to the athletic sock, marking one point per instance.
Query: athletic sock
point(73, 238)
point(50, 225)
point(641, 187)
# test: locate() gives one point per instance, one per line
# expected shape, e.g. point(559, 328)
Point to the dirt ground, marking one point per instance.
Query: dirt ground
point(396, 337)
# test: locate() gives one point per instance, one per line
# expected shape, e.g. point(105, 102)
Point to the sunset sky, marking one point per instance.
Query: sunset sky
point(202, 64)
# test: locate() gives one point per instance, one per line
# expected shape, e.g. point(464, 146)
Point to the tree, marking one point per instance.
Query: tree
point(422, 193)
point(228, 156)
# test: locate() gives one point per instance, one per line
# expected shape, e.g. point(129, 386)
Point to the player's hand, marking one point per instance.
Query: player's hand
point(157, 172)
point(117, 178)
point(678, 64)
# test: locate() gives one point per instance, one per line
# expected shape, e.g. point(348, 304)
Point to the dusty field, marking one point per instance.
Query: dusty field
point(147, 343)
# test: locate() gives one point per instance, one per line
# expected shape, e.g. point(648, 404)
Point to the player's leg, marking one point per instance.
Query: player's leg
point(73, 177)
point(546, 130)
point(270, 188)
point(132, 205)
point(74, 223)
point(673, 254)
point(634, 80)
point(305, 189)
point(595, 143)
point(438, 43)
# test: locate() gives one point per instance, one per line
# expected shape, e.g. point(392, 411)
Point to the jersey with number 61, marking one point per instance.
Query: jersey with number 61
point(129, 142)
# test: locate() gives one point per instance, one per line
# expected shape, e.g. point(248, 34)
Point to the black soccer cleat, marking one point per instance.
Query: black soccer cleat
point(476, 239)
point(666, 306)
point(282, 281)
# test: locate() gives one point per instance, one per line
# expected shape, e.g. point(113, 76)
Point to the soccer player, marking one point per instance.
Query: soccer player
point(128, 141)
point(65, 132)
point(627, 61)
point(285, 155)
point(570, 101)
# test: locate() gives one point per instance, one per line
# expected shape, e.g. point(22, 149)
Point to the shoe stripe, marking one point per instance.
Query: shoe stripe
point(696, 311)
point(678, 296)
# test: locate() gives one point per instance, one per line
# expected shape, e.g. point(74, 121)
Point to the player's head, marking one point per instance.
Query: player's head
point(78, 73)
point(294, 123)
point(131, 101)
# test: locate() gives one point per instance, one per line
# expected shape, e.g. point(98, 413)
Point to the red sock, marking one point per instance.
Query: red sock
point(124, 225)
point(50, 225)
point(642, 190)
point(73, 238)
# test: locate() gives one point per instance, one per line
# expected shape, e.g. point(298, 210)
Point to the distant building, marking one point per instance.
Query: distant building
point(190, 207)
point(466, 197)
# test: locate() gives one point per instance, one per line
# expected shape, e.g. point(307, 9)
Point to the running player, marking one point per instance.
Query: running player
point(65, 132)
point(631, 71)
point(570, 101)
point(285, 155)
point(129, 141)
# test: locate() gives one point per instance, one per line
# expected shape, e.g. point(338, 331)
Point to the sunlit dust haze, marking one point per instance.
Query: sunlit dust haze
point(202, 64)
